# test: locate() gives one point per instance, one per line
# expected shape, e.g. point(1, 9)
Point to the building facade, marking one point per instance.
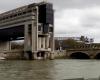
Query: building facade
point(35, 23)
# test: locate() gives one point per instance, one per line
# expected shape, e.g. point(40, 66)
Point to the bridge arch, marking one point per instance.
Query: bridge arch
point(97, 56)
point(79, 55)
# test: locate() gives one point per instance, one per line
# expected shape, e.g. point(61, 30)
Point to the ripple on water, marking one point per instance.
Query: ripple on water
point(49, 70)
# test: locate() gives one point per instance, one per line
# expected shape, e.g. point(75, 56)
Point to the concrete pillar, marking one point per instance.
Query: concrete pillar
point(34, 37)
point(25, 37)
point(52, 42)
point(48, 55)
point(34, 55)
point(39, 42)
point(47, 42)
point(92, 57)
point(27, 41)
point(45, 55)
point(26, 56)
point(43, 42)
point(9, 45)
point(51, 55)
point(35, 33)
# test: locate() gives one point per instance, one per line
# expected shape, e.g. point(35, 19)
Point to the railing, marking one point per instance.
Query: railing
point(86, 46)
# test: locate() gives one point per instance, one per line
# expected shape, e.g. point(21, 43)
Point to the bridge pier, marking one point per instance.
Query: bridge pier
point(51, 55)
point(34, 55)
point(38, 55)
point(27, 38)
point(43, 55)
point(91, 57)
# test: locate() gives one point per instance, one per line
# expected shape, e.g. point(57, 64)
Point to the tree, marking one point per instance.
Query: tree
point(84, 39)
point(69, 43)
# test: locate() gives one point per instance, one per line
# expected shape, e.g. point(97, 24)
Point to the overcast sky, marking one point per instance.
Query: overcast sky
point(72, 17)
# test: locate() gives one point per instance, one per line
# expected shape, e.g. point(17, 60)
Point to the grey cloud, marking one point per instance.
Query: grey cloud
point(90, 21)
point(77, 22)
point(60, 4)
point(76, 3)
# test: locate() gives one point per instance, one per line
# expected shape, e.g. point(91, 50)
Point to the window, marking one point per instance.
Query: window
point(30, 28)
point(39, 28)
point(50, 29)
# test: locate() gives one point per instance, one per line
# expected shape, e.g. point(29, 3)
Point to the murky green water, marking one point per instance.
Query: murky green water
point(49, 70)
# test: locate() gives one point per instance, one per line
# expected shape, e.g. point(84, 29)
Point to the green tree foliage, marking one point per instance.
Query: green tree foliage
point(67, 44)
point(70, 43)
point(84, 39)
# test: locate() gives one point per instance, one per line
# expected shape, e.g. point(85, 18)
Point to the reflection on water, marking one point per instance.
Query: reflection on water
point(49, 70)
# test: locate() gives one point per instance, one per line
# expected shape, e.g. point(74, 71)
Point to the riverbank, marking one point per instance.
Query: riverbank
point(19, 55)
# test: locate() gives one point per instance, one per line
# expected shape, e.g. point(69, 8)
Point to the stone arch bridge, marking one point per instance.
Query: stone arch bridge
point(83, 53)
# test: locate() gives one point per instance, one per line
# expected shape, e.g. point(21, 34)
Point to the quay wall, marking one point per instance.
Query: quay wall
point(60, 54)
point(19, 55)
point(11, 55)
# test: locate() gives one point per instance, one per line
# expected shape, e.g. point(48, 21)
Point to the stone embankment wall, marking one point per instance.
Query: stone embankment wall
point(19, 54)
point(11, 55)
point(60, 54)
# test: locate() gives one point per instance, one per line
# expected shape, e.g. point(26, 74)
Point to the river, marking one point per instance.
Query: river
point(60, 69)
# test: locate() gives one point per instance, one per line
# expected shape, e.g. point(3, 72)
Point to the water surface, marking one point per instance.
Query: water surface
point(60, 69)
